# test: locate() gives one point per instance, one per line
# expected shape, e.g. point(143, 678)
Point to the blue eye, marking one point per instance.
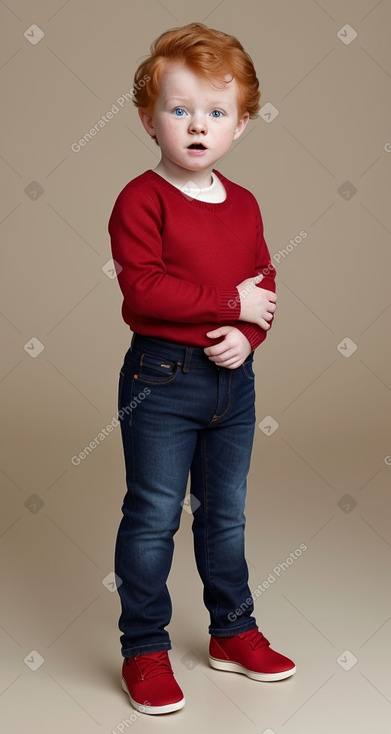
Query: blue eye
point(178, 111)
point(219, 114)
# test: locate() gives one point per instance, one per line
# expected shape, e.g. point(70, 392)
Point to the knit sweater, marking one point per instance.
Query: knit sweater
point(179, 259)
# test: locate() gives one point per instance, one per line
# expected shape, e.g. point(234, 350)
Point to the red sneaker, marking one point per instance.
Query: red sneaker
point(249, 653)
point(150, 684)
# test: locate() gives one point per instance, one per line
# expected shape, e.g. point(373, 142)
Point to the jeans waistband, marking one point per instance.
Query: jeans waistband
point(180, 353)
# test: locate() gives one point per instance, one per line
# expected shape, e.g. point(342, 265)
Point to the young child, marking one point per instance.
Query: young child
point(190, 249)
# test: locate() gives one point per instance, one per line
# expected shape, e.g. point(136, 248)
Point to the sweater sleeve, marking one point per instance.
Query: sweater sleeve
point(263, 265)
point(134, 227)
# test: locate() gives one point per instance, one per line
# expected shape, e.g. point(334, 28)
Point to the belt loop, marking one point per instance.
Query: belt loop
point(187, 359)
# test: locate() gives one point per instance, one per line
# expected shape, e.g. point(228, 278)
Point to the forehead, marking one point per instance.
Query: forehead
point(178, 80)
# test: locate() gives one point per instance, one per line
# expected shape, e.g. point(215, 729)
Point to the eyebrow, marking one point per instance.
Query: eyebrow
point(213, 103)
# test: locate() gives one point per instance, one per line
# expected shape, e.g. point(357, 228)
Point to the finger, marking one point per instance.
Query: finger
point(231, 364)
point(218, 356)
point(264, 324)
point(270, 295)
point(221, 331)
point(217, 349)
point(228, 356)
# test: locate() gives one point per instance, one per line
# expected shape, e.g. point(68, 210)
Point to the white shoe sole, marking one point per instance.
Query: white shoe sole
point(237, 668)
point(144, 709)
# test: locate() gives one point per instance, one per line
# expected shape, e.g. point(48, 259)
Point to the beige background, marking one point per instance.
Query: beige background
point(321, 479)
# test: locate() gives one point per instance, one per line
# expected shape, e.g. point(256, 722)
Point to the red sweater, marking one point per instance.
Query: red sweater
point(182, 259)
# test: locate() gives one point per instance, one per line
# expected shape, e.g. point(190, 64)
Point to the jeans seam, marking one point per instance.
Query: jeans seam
point(244, 369)
point(222, 415)
point(204, 469)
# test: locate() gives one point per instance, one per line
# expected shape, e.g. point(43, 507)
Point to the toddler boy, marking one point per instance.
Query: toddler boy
point(199, 295)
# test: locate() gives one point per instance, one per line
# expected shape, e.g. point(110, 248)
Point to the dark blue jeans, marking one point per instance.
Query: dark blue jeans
point(180, 413)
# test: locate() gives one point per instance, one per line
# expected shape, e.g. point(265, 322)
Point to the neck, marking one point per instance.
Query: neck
point(181, 176)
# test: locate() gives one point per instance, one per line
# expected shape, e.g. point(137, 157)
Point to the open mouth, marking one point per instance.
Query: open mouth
point(197, 146)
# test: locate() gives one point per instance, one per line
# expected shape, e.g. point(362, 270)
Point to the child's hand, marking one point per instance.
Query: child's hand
point(257, 305)
point(232, 351)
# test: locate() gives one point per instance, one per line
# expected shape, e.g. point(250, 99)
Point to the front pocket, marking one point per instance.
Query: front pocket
point(154, 369)
point(248, 369)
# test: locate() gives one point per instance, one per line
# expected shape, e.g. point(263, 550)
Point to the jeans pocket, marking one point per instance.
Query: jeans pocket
point(124, 371)
point(247, 368)
point(156, 370)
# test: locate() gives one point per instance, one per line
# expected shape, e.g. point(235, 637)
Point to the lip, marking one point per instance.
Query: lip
point(197, 152)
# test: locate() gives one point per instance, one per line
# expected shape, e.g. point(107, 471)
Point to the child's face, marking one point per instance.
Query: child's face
point(190, 110)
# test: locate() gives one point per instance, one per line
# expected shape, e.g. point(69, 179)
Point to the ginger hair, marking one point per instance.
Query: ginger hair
point(211, 54)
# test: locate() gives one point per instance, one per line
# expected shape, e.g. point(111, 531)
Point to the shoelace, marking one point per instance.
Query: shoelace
point(155, 663)
point(255, 638)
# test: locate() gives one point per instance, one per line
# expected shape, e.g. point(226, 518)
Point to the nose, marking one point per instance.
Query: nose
point(198, 125)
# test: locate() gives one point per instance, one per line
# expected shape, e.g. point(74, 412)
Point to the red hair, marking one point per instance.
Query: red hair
point(209, 53)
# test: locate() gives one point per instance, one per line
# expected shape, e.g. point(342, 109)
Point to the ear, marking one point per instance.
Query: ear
point(241, 126)
point(147, 121)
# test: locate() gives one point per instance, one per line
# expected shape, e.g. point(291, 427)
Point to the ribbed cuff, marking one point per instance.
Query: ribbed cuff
point(229, 305)
point(255, 335)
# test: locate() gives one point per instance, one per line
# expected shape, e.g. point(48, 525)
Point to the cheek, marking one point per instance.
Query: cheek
point(172, 133)
point(226, 135)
